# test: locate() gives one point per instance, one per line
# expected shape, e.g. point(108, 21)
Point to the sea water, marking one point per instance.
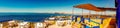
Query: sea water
point(30, 17)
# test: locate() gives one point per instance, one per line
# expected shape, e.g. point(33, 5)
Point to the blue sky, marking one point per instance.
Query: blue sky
point(48, 6)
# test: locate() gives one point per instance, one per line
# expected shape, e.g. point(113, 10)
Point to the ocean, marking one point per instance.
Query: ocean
point(29, 17)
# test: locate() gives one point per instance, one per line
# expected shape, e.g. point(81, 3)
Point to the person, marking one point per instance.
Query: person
point(82, 20)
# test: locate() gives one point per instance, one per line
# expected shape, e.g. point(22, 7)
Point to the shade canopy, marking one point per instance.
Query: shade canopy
point(93, 8)
point(109, 9)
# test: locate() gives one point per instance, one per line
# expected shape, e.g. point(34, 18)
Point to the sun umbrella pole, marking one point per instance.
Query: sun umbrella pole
point(72, 14)
point(105, 12)
point(89, 15)
point(82, 17)
point(82, 12)
point(101, 19)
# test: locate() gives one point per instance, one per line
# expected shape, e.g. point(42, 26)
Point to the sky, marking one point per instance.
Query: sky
point(49, 6)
